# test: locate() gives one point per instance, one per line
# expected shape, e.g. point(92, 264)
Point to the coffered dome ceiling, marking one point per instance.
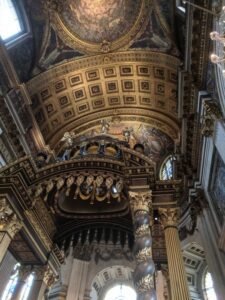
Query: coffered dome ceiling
point(137, 86)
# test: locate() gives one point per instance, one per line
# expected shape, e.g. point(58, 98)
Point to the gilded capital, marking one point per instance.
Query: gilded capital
point(169, 216)
point(49, 277)
point(140, 201)
point(8, 219)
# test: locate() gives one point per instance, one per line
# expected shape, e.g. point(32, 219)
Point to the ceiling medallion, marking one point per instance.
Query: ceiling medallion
point(99, 26)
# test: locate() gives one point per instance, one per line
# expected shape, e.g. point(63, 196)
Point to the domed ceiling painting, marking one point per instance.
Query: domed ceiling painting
point(98, 20)
point(100, 25)
point(156, 143)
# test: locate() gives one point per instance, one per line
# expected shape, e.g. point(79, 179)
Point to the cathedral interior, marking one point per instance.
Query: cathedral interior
point(112, 150)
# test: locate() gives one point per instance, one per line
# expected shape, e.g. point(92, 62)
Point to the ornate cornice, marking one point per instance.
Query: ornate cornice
point(38, 228)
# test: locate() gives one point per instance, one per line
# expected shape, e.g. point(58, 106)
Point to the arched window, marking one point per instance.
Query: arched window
point(121, 292)
point(27, 287)
point(10, 20)
point(11, 285)
point(208, 289)
point(166, 171)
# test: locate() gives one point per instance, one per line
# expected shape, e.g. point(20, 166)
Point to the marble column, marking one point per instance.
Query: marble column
point(178, 279)
point(140, 203)
point(9, 226)
point(23, 273)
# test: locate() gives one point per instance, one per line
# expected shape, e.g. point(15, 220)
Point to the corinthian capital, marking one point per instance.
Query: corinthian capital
point(169, 216)
point(8, 219)
point(49, 277)
point(140, 201)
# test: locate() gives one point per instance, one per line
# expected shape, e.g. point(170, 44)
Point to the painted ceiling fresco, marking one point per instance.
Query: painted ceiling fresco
point(218, 187)
point(105, 25)
point(156, 143)
point(99, 20)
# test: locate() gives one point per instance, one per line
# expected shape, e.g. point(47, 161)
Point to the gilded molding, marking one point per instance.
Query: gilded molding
point(39, 229)
point(169, 217)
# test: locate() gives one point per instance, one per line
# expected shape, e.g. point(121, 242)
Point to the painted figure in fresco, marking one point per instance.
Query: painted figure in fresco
point(98, 20)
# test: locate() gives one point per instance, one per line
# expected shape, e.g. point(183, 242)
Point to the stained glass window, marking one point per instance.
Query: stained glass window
point(208, 287)
point(166, 172)
point(10, 24)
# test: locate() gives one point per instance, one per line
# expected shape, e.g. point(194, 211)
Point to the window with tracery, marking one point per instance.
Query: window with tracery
point(10, 23)
point(209, 292)
point(166, 171)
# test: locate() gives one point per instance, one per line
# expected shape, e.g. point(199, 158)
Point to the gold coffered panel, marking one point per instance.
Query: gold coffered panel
point(135, 83)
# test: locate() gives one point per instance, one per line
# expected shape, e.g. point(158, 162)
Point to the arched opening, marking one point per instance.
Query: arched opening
point(208, 288)
point(120, 292)
point(166, 170)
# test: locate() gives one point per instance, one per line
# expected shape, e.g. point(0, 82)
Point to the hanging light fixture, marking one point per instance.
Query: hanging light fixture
point(219, 37)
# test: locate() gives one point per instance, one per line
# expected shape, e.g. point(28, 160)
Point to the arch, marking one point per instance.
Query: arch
point(108, 278)
point(207, 286)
